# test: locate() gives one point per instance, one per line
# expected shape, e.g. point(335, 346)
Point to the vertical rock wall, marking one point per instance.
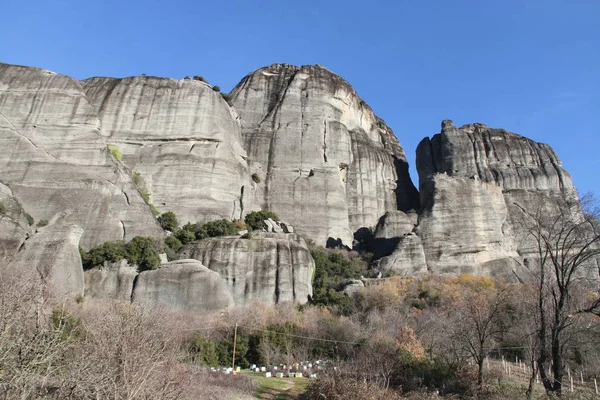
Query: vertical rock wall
point(325, 162)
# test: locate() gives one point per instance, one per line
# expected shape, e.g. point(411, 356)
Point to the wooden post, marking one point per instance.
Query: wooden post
point(234, 341)
point(571, 379)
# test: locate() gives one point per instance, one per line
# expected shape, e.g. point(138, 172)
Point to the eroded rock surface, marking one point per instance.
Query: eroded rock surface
point(325, 162)
point(183, 140)
point(182, 285)
point(112, 281)
point(53, 252)
point(269, 267)
point(55, 161)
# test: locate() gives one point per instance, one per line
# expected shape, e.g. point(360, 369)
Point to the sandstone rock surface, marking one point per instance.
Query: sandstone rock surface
point(271, 267)
point(326, 162)
point(54, 253)
point(183, 140)
point(182, 285)
point(55, 161)
point(113, 281)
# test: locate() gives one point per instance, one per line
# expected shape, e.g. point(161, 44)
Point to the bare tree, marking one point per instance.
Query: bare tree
point(567, 248)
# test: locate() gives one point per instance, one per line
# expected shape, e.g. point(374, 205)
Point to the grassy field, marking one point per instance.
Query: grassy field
point(278, 388)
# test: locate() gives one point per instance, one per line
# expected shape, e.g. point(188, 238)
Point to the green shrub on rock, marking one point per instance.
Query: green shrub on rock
point(141, 250)
point(220, 227)
point(168, 221)
point(255, 219)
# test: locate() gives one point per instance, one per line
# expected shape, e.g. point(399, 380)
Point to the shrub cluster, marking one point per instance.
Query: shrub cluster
point(142, 251)
point(254, 220)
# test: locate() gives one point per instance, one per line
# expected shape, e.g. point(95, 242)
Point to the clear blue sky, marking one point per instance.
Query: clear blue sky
point(529, 66)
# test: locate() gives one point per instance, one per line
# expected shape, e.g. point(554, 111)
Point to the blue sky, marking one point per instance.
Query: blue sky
point(529, 66)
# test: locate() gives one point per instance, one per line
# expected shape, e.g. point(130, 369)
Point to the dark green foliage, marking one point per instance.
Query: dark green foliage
point(186, 234)
point(204, 351)
point(411, 373)
point(108, 251)
point(41, 223)
point(255, 219)
point(220, 227)
point(172, 246)
point(199, 78)
point(29, 219)
point(142, 251)
point(173, 243)
point(333, 268)
point(168, 221)
point(2, 208)
point(216, 88)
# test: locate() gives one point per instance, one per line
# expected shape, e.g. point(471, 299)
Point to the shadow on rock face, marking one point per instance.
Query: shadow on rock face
point(336, 244)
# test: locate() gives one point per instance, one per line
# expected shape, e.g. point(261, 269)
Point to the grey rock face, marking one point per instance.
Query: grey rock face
point(182, 138)
point(54, 253)
point(390, 228)
point(183, 285)
point(55, 162)
point(407, 259)
point(470, 179)
point(272, 267)
point(110, 282)
point(326, 163)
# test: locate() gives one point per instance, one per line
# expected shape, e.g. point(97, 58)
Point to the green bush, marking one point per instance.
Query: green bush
point(204, 351)
point(185, 235)
point(333, 268)
point(168, 221)
point(141, 250)
point(114, 150)
point(172, 246)
point(137, 178)
point(199, 78)
point(216, 88)
point(2, 208)
point(108, 251)
point(29, 219)
point(220, 227)
point(255, 219)
point(41, 223)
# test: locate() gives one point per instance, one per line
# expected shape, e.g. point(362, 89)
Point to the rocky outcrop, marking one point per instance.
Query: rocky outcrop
point(470, 178)
point(182, 140)
point(270, 267)
point(55, 161)
point(53, 253)
point(113, 281)
point(183, 285)
point(323, 159)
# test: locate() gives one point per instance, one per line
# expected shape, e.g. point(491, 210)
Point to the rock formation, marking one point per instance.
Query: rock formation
point(53, 253)
point(86, 162)
point(474, 183)
point(324, 160)
point(111, 281)
point(183, 285)
point(55, 163)
point(182, 140)
point(270, 267)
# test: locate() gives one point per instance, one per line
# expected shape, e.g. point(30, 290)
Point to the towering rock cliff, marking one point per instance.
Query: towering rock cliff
point(55, 164)
point(182, 140)
point(476, 183)
point(324, 160)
